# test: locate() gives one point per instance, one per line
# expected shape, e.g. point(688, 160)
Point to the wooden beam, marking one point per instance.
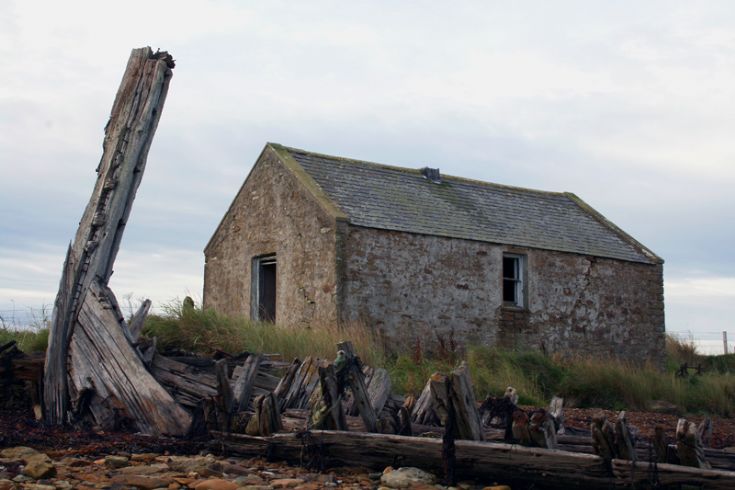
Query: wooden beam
point(103, 361)
point(135, 326)
point(245, 383)
point(355, 378)
point(128, 136)
point(505, 463)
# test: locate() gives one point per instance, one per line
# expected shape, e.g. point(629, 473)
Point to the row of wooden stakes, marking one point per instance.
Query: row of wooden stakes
point(321, 395)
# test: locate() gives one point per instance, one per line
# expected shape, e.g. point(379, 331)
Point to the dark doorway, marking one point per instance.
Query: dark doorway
point(264, 282)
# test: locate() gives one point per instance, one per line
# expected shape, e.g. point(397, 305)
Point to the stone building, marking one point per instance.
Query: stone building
point(312, 239)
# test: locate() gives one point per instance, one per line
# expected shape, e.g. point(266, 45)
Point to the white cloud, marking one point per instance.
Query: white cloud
point(630, 105)
point(716, 288)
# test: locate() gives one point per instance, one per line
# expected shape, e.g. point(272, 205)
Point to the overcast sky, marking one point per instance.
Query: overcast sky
point(629, 104)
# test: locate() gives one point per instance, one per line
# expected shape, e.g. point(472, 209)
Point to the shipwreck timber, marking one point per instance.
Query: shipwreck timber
point(98, 368)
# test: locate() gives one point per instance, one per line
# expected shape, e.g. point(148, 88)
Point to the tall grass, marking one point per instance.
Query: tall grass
point(197, 330)
point(537, 377)
point(28, 340)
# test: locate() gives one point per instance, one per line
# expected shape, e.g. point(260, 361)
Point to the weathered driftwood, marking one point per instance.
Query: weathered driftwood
point(294, 420)
point(103, 364)
point(21, 378)
point(378, 384)
point(689, 446)
point(354, 377)
point(624, 439)
point(188, 384)
point(704, 431)
point(467, 417)
point(135, 325)
point(379, 387)
point(225, 399)
point(285, 383)
point(541, 429)
point(327, 412)
point(113, 380)
point(502, 462)
point(305, 380)
point(455, 394)
point(266, 418)
point(603, 437)
point(556, 411)
point(245, 383)
point(423, 410)
point(502, 410)
point(660, 446)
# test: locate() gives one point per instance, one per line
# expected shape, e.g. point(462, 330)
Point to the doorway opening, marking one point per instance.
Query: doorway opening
point(264, 289)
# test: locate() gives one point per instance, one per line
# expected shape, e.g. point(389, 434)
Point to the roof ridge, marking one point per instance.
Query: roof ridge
point(416, 171)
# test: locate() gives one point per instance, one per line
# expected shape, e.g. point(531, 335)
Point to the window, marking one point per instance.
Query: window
point(263, 287)
point(514, 280)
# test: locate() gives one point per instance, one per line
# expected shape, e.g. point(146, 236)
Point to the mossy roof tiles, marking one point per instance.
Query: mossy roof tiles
point(401, 199)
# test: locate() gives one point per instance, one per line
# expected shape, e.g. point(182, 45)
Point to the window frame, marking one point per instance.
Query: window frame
point(520, 282)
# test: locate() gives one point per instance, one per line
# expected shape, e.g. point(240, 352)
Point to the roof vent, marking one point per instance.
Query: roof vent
point(432, 174)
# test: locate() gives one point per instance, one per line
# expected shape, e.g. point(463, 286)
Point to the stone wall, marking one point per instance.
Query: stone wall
point(274, 213)
point(417, 288)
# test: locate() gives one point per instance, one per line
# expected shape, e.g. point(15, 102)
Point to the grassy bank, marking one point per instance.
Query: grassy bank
point(196, 330)
point(583, 382)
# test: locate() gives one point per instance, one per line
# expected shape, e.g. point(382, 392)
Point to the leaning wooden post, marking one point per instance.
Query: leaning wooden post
point(84, 300)
point(327, 412)
point(469, 425)
point(354, 377)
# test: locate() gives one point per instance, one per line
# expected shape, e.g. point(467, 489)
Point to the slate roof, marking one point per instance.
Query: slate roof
point(401, 199)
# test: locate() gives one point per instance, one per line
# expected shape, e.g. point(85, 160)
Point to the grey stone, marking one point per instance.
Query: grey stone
point(406, 477)
point(39, 466)
point(18, 452)
point(116, 461)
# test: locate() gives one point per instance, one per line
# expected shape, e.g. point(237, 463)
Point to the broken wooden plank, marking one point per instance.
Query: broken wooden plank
point(688, 445)
point(135, 325)
point(104, 362)
point(624, 440)
point(327, 412)
point(225, 397)
point(556, 411)
point(467, 418)
point(245, 383)
point(188, 384)
point(541, 429)
point(304, 382)
point(266, 418)
point(379, 388)
point(423, 411)
point(355, 379)
point(128, 135)
point(285, 383)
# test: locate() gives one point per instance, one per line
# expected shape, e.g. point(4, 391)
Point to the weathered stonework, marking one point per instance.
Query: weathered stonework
point(274, 213)
point(420, 289)
point(426, 289)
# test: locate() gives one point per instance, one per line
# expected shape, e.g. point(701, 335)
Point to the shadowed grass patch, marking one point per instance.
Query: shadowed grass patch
point(29, 340)
point(605, 383)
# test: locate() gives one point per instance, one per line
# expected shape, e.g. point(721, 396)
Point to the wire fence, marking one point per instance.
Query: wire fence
point(38, 317)
point(710, 343)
